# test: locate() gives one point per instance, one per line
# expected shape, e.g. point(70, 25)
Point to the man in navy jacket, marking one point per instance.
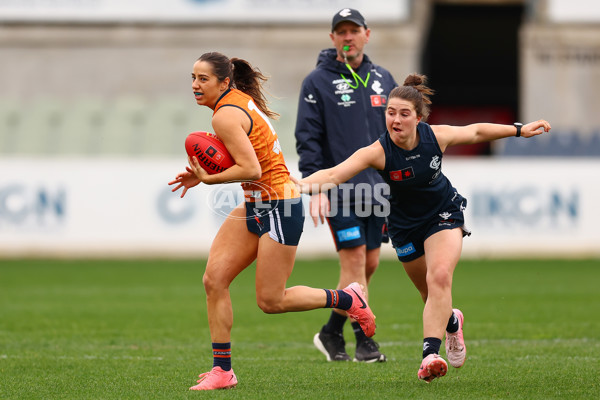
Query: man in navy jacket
point(341, 109)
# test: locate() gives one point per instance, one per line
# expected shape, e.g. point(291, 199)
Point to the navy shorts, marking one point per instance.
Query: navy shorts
point(351, 231)
point(410, 244)
point(283, 220)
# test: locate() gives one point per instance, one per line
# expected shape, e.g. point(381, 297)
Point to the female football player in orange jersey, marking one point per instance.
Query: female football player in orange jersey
point(267, 227)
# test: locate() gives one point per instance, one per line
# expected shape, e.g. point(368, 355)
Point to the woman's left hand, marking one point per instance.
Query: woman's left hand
point(535, 128)
point(196, 169)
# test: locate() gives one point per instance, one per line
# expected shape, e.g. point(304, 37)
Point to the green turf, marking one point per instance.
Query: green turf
point(137, 330)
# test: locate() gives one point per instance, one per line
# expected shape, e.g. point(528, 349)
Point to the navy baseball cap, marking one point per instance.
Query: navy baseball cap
point(350, 15)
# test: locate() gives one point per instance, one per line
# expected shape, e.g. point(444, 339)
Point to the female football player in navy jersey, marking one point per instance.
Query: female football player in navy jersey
point(426, 221)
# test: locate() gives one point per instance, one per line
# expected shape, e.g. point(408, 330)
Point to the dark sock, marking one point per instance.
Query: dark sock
point(335, 324)
point(338, 299)
point(358, 332)
point(431, 345)
point(452, 324)
point(222, 355)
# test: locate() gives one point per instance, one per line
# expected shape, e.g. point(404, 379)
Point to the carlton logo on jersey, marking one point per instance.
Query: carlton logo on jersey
point(435, 163)
point(402, 174)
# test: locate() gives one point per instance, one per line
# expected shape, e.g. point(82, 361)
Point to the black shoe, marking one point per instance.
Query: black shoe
point(332, 345)
point(368, 351)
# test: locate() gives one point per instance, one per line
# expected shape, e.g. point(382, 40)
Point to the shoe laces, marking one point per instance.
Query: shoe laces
point(206, 375)
point(337, 338)
point(370, 344)
point(203, 376)
point(453, 342)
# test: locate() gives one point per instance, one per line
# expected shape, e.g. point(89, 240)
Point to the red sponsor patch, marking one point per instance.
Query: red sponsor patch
point(378, 100)
point(402, 174)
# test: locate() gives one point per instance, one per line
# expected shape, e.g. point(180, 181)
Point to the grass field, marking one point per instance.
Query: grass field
point(137, 330)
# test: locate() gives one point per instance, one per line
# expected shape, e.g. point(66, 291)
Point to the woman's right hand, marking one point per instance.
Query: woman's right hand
point(319, 207)
point(185, 180)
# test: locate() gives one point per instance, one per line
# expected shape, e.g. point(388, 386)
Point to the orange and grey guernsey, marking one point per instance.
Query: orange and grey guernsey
point(275, 182)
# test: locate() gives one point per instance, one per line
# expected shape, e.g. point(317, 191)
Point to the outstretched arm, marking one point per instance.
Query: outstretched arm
point(325, 179)
point(448, 135)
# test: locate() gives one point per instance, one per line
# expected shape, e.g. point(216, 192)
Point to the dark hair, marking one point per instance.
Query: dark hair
point(415, 91)
point(242, 76)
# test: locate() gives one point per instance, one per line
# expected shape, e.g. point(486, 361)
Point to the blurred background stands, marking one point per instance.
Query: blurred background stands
point(120, 85)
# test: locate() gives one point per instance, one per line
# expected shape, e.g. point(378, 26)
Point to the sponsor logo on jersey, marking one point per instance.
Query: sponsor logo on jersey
point(405, 250)
point(402, 174)
point(348, 234)
point(373, 70)
point(342, 87)
point(445, 215)
point(310, 99)
point(378, 100)
point(346, 101)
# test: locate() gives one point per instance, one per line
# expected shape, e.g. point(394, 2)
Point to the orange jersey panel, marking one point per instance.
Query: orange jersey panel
point(275, 182)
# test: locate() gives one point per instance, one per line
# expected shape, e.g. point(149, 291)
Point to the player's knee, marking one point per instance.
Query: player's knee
point(353, 261)
point(439, 278)
point(370, 270)
point(208, 282)
point(268, 305)
point(212, 282)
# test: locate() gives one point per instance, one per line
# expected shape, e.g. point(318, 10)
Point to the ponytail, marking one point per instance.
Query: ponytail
point(242, 76)
point(250, 80)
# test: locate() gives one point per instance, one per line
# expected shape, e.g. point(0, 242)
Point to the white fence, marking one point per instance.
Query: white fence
point(124, 208)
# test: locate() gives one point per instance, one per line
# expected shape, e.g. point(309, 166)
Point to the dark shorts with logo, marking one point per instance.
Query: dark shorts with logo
point(352, 230)
point(283, 220)
point(410, 243)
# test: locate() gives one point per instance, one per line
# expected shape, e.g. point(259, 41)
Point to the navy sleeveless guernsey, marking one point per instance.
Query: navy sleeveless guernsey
point(419, 190)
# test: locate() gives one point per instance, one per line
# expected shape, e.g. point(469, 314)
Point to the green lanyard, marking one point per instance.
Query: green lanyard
point(354, 74)
point(356, 78)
